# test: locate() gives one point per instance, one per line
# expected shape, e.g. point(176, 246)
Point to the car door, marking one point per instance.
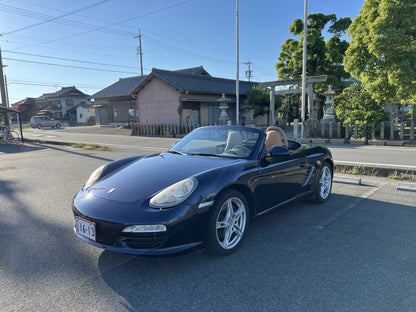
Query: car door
point(280, 178)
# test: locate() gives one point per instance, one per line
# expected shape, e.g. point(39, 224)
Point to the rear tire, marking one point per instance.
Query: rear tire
point(323, 185)
point(39, 126)
point(228, 223)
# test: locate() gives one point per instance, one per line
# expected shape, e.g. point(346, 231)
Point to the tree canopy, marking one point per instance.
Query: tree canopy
point(382, 51)
point(323, 57)
point(356, 105)
point(259, 99)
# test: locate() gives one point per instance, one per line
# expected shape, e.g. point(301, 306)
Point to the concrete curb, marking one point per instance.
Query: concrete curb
point(402, 186)
point(347, 180)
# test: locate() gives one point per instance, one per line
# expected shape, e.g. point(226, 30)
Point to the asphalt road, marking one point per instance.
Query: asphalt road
point(357, 252)
point(383, 156)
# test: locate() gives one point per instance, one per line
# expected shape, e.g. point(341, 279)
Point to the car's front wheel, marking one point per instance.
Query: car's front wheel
point(39, 126)
point(324, 184)
point(228, 223)
point(58, 125)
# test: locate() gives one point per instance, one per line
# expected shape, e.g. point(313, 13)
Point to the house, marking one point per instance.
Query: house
point(25, 107)
point(81, 114)
point(58, 103)
point(116, 103)
point(185, 97)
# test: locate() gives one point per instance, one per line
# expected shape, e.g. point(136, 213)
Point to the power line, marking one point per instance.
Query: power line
point(69, 66)
point(56, 17)
point(49, 84)
point(71, 60)
point(66, 22)
point(110, 25)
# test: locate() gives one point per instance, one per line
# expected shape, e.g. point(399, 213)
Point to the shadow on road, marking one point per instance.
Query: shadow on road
point(286, 263)
point(12, 148)
point(73, 151)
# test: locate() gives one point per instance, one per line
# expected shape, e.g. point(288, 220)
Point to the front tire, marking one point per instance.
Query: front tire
point(39, 126)
point(323, 185)
point(228, 223)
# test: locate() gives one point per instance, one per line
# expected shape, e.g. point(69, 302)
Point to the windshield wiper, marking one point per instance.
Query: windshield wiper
point(176, 152)
point(205, 154)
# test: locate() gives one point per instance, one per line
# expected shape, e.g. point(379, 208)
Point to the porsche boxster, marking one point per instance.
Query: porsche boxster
point(201, 192)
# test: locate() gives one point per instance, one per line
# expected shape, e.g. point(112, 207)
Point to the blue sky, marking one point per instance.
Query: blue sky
point(93, 41)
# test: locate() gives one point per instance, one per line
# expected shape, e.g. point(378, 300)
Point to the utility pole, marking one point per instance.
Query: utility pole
point(305, 33)
point(249, 72)
point(237, 81)
point(2, 85)
point(139, 51)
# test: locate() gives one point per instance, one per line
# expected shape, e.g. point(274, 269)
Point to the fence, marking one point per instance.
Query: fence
point(161, 130)
point(385, 131)
point(381, 133)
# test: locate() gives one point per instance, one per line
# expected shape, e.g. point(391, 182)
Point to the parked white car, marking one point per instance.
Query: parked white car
point(44, 121)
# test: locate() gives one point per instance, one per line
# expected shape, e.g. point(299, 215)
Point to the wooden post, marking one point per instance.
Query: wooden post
point(373, 130)
point(402, 130)
point(272, 119)
point(295, 128)
point(391, 129)
point(382, 130)
point(347, 131)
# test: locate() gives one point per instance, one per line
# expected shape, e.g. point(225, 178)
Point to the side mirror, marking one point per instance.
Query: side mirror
point(277, 150)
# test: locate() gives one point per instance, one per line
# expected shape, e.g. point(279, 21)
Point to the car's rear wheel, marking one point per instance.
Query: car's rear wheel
point(228, 223)
point(323, 184)
point(39, 126)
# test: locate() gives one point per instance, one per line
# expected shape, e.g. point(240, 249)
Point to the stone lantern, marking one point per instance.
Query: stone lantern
point(224, 119)
point(248, 114)
point(329, 115)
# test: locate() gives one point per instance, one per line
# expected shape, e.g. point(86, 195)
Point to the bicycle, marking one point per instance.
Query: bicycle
point(9, 136)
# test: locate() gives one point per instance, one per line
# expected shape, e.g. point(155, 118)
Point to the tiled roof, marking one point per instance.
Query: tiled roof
point(194, 71)
point(123, 87)
point(27, 101)
point(201, 83)
point(69, 92)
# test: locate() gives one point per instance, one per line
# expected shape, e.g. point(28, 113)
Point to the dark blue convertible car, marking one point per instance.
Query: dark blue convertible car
point(201, 192)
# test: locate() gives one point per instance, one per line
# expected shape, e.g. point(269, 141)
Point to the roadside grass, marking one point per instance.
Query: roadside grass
point(92, 147)
point(25, 127)
point(409, 175)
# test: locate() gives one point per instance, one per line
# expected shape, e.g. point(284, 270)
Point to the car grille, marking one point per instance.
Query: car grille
point(109, 233)
point(143, 240)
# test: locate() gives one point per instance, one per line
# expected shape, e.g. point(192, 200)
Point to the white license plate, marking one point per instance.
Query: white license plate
point(85, 228)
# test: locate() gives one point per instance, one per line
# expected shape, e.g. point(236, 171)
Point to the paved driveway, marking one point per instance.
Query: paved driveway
point(357, 252)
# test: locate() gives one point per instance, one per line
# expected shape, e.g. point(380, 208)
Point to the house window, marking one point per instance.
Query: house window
point(69, 102)
point(80, 116)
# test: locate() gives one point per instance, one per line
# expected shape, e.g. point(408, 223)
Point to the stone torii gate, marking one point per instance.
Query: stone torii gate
point(273, 84)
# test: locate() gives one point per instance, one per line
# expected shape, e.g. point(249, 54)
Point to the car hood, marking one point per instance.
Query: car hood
point(149, 175)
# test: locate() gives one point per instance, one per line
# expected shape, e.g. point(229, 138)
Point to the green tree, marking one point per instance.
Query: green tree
point(259, 99)
point(356, 105)
point(382, 51)
point(323, 57)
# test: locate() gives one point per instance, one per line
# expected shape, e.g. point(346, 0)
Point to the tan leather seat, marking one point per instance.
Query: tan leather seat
point(234, 139)
point(275, 136)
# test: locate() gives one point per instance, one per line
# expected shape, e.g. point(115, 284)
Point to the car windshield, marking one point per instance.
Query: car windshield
point(232, 142)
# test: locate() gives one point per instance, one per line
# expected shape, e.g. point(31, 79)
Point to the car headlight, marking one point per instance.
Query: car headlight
point(94, 177)
point(174, 194)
